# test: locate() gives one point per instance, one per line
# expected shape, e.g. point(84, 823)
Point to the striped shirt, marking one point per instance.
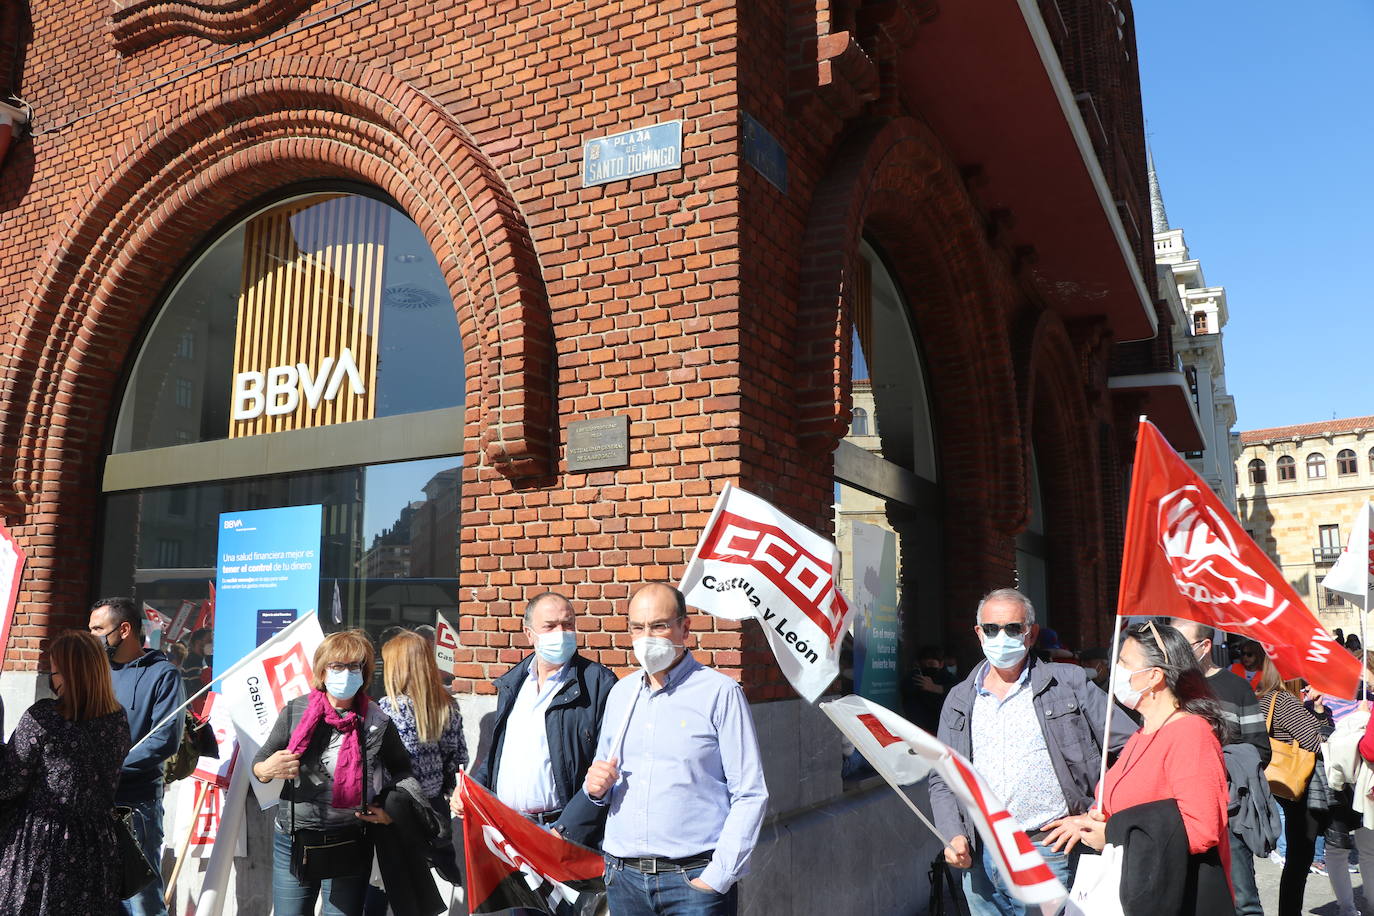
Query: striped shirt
point(1292, 721)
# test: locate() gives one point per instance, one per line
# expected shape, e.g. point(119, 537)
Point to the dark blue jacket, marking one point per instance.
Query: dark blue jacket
point(573, 722)
point(149, 689)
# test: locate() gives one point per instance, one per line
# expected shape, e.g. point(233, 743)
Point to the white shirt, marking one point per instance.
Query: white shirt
point(1009, 751)
point(524, 777)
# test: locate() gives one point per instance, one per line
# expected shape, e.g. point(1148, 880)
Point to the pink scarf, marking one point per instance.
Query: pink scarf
point(348, 769)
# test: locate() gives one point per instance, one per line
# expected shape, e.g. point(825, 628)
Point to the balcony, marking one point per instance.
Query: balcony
point(1322, 555)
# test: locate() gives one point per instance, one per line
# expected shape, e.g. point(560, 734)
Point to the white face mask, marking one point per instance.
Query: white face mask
point(655, 653)
point(556, 646)
point(1125, 694)
point(1004, 650)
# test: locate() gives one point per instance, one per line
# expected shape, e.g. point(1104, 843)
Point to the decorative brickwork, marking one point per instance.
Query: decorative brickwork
point(141, 23)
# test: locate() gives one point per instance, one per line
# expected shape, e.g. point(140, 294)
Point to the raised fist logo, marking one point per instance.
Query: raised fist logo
point(1206, 561)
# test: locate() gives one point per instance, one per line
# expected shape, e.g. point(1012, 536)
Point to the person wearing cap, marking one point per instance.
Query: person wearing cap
point(549, 709)
point(683, 821)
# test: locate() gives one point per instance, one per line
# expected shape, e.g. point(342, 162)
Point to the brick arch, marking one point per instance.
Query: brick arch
point(1061, 428)
point(894, 183)
point(204, 158)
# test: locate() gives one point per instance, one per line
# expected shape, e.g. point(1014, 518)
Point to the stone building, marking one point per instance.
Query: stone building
point(1198, 343)
point(272, 253)
point(1299, 490)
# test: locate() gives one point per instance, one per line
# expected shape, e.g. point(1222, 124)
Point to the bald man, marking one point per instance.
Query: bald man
point(682, 780)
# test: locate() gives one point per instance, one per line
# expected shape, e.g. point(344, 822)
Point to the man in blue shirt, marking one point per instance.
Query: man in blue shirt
point(678, 767)
point(149, 688)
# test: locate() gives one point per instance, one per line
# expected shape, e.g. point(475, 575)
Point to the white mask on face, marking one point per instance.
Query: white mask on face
point(1004, 650)
point(1127, 695)
point(655, 653)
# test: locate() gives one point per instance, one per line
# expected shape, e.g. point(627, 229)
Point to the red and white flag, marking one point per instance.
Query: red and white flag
point(12, 559)
point(445, 644)
point(257, 688)
point(513, 863)
point(754, 561)
point(903, 754)
point(1187, 556)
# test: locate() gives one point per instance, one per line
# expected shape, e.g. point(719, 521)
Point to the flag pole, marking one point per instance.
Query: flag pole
point(1111, 701)
point(919, 813)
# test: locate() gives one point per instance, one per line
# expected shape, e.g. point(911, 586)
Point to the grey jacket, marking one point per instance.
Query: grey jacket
point(1250, 809)
point(1071, 710)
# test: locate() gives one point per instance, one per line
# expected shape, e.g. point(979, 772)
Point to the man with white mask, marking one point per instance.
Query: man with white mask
point(1034, 731)
point(548, 713)
point(678, 768)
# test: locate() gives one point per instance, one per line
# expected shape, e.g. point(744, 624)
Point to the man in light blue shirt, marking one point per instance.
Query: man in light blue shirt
point(678, 767)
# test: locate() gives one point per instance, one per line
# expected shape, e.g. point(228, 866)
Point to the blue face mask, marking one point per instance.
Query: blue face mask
point(556, 647)
point(342, 685)
point(1004, 650)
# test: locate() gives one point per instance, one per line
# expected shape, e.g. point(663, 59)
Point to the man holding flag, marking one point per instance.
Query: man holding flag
point(683, 821)
point(1034, 731)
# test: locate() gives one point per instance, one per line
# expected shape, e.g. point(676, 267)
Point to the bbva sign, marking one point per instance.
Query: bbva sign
point(278, 390)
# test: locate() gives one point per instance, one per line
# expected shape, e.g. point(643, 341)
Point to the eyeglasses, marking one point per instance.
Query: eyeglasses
point(657, 628)
point(1012, 629)
point(341, 667)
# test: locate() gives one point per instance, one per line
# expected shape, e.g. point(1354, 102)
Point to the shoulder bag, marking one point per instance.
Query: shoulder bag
point(1291, 766)
point(135, 871)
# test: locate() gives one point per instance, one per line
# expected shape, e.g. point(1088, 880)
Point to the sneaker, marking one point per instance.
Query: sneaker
point(1276, 858)
point(1318, 868)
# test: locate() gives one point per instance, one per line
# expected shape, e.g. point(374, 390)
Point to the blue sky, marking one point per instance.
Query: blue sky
point(1261, 118)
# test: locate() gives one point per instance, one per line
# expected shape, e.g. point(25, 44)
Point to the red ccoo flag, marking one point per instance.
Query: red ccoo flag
point(513, 863)
point(1187, 556)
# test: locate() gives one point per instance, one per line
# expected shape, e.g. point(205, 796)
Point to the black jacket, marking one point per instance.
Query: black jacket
point(573, 722)
point(1158, 875)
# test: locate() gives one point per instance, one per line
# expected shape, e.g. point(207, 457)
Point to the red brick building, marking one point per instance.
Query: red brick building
point(946, 200)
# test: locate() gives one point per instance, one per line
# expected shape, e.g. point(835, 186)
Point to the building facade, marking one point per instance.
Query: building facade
point(382, 258)
point(1202, 313)
point(1300, 488)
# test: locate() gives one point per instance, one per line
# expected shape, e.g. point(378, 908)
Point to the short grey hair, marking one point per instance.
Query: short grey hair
point(529, 608)
point(1012, 595)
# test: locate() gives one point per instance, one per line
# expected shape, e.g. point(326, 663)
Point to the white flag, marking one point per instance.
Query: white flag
point(257, 688)
point(754, 561)
point(445, 643)
point(1353, 575)
point(903, 754)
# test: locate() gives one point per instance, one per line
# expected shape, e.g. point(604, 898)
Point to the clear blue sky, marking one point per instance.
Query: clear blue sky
point(1261, 118)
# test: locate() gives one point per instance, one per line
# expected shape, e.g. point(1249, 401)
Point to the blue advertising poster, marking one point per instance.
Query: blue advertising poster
point(267, 575)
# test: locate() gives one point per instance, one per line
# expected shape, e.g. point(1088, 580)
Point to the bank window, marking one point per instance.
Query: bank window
point(1257, 471)
point(1288, 468)
point(1346, 463)
point(1316, 465)
point(307, 314)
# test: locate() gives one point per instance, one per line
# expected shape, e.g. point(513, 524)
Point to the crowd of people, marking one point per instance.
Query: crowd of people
point(588, 756)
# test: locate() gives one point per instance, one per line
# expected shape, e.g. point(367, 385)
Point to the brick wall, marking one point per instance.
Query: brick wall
point(705, 304)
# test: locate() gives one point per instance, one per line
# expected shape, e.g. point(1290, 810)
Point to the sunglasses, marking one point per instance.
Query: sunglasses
point(1012, 629)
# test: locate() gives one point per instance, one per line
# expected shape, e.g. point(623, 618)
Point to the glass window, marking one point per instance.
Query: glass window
point(859, 425)
point(1257, 471)
point(390, 538)
point(1316, 465)
point(1288, 468)
point(1346, 463)
point(324, 308)
point(1199, 322)
point(1329, 537)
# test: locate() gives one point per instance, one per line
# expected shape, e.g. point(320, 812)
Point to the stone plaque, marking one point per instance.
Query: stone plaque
point(600, 443)
point(657, 148)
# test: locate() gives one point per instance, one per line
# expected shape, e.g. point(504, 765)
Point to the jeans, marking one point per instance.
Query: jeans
point(148, 829)
point(632, 893)
point(987, 894)
point(1243, 879)
point(342, 896)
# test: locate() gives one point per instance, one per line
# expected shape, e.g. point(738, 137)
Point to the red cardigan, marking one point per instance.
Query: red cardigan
point(1181, 761)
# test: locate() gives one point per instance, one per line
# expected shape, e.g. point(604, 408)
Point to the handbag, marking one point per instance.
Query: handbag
point(942, 884)
point(1291, 766)
point(1096, 887)
point(135, 871)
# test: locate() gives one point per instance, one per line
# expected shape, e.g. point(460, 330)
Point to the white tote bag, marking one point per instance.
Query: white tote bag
point(1097, 885)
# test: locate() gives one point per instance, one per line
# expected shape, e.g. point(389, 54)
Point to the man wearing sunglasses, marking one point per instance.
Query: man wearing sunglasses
point(1034, 731)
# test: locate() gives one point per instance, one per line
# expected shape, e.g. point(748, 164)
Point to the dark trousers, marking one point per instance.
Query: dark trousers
point(1243, 879)
point(1300, 829)
point(403, 857)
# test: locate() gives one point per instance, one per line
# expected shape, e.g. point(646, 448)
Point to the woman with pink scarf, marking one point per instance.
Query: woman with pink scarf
point(336, 751)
